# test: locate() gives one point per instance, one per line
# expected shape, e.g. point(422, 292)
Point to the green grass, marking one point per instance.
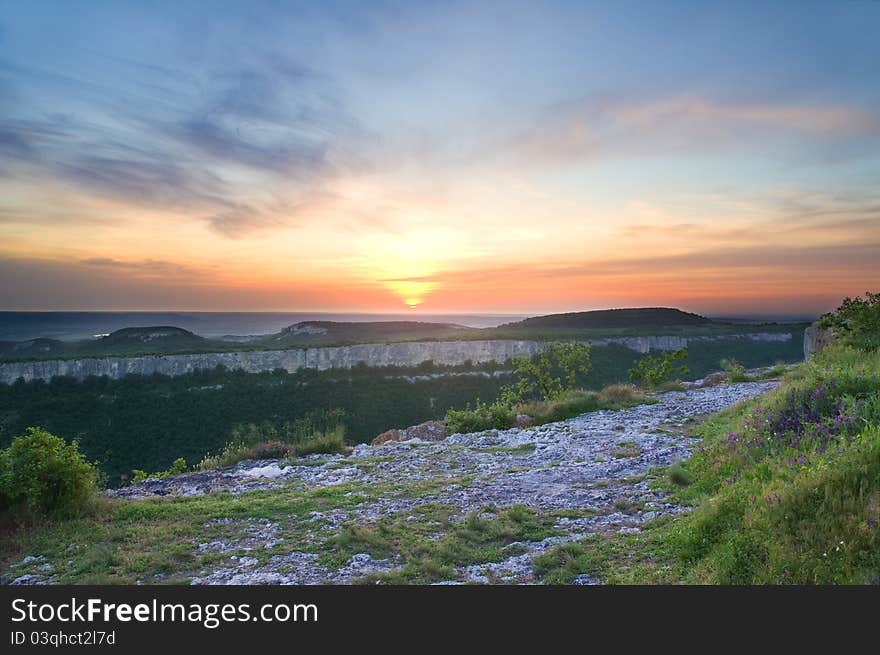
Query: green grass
point(765, 511)
point(523, 449)
point(429, 550)
point(123, 541)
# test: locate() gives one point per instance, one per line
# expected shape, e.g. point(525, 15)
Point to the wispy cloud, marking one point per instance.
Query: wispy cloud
point(268, 120)
point(595, 128)
point(147, 266)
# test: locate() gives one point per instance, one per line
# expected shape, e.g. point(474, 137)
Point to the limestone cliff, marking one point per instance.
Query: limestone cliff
point(394, 354)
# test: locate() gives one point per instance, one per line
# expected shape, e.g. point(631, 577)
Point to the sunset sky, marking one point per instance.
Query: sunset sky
point(450, 156)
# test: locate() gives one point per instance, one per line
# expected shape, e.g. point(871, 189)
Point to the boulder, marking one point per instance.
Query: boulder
point(427, 431)
point(712, 379)
point(816, 338)
point(388, 435)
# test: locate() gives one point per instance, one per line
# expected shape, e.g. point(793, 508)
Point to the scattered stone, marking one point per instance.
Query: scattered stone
point(568, 466)
point(30, 579)
point(586, 579)
point(29, 559)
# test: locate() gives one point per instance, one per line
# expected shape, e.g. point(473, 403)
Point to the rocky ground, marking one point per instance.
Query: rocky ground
point(587, 473)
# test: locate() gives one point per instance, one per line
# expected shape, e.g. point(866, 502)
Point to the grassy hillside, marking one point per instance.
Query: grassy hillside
point(785, 490)
point(639, 318)
point(131, 341)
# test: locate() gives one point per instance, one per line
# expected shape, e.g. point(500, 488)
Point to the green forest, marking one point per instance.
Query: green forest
point(146, 422)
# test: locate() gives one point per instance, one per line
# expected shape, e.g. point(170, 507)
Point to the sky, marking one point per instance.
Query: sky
point(494, 157)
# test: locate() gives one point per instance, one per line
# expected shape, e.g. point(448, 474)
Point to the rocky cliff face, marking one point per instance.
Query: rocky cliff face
point(816, 338)
point(394, 354)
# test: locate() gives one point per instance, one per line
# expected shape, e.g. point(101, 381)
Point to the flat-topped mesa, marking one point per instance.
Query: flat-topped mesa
point(402, 354)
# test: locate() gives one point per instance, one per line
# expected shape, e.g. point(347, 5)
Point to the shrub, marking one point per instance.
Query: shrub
point(621, 394)
point(679, 475)
point(329, 442)
point(41, 474)
point(736, 372)
point(177, 467)
point(567, 405)
point(550, 373)
point(498, 416)
point(654, 370)
point(857, 321)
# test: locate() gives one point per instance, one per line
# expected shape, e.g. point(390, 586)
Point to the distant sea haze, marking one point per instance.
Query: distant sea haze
point(68, 326)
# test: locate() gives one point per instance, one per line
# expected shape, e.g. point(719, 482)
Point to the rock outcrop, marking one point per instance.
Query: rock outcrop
point(816, 338)
point(410, 353)
point(427, 431)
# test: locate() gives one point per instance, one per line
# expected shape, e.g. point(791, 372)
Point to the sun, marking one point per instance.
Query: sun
point(412, 292)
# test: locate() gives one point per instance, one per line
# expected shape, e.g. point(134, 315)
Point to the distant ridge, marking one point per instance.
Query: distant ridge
point(375, 325)
point(149, 333)
point(639, 317)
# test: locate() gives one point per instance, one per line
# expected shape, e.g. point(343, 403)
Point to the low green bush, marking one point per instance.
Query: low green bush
point(856, 322)
point(621, 394)
point(736, 372)
point(177, 467)
point(331, 441)
point(567, 405)
point(679, 475)
point(42, 474)
point(497, 416)
point(653, 370)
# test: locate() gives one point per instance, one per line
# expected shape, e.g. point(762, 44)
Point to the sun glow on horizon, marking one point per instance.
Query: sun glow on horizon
point(412, 292)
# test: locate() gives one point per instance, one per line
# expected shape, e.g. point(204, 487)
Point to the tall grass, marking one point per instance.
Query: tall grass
point(327, 441)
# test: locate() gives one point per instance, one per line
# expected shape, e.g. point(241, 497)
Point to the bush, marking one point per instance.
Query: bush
point(654, 370)
point(856, 322)
point(621, 394)
point(547, 375)
point(41, 474)
point(177, 467)
point(329, 442)
point(567, 405)
point(736, 372)
point(679, 475)
point(496, 416)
